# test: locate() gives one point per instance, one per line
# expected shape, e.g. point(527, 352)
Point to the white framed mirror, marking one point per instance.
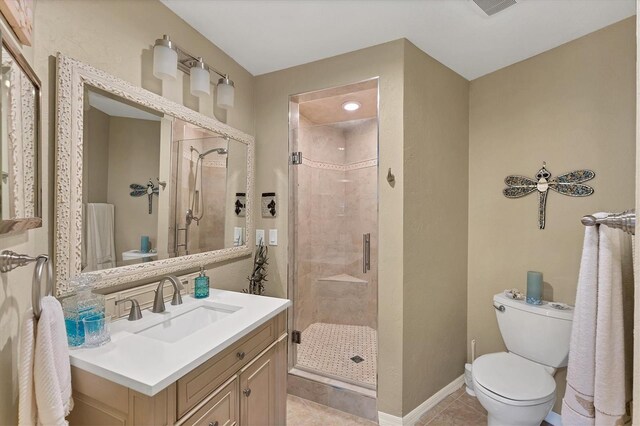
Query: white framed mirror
point(144, 186)
point(20, 206)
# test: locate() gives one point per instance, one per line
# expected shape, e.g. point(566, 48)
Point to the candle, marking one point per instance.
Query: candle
point(534, 287)
point(145, 245)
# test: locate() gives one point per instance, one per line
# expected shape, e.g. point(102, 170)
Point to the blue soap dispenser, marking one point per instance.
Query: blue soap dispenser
point(202, 285)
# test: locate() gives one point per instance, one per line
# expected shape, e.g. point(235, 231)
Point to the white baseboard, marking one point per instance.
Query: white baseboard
point(554, 418)
point(411, 418)
point(385, 419)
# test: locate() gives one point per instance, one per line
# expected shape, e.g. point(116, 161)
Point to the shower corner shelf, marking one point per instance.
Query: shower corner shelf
point(343, 278)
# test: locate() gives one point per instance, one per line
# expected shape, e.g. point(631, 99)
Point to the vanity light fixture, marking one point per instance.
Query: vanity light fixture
point(200, 78)
point(165, 59)
point(351, 106)
point(168, 58)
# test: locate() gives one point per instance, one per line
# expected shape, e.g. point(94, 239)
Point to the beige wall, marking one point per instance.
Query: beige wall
point(573, 107)
point(115, 36)
point(271, 109)
point(436, 116)
point(134, 157)
point(96, 156)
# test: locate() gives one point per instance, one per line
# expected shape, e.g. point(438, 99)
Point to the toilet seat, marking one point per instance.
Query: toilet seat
point(513, 380)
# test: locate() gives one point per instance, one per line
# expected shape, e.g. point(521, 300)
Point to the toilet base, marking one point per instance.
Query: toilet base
point(492, 421)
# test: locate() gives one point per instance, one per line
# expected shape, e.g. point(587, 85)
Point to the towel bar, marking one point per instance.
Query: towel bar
point(10, 260)
point(626, 221)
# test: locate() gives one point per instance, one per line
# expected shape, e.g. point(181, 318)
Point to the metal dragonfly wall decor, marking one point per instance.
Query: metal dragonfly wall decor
point(150, 190)
point(570, 184)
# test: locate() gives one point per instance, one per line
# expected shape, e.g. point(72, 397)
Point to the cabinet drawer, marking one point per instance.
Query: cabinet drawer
point(200, 382)
point(220, 410)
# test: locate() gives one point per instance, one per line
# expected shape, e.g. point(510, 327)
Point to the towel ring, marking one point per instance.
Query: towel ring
point(42, 265)
point(10, 260)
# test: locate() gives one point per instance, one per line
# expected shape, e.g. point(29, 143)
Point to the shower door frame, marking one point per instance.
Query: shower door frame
point(292, 215)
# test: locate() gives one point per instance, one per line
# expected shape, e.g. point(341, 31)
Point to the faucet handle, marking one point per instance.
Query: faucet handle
point(177, 287)
point(177, 298)
point(135, 313)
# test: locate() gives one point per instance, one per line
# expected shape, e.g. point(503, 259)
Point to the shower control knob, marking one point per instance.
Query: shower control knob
point(247, 392)
point(213, 423)
point(240, 355)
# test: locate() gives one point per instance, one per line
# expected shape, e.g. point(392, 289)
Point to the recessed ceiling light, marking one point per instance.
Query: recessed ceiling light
point(351, 106)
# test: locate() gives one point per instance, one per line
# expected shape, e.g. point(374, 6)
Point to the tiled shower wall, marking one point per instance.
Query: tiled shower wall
point(209, 234)
point(336, 205)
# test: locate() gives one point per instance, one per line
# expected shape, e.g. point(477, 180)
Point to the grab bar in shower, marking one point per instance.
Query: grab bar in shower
point(366, 253)
point(186, 239)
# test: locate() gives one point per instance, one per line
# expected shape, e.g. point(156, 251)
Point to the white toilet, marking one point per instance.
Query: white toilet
point(517, 387)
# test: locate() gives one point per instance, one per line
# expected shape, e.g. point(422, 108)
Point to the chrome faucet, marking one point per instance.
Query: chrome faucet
point(158, 301)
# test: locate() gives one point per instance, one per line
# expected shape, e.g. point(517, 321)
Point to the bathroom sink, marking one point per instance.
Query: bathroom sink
point(183, 325)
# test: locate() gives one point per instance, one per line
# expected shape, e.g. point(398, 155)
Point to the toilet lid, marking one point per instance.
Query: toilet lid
point(513, 377)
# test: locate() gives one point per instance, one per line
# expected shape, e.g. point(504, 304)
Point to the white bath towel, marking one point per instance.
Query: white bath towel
point(26, 396)
point(599, 361)
point(52, 371)
point(99, 244)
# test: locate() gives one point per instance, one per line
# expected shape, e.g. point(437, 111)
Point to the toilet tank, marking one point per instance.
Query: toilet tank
point(540, 333)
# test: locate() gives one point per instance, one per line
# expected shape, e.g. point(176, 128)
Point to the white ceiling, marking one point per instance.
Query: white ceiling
point(115, 108)
point(265, 36)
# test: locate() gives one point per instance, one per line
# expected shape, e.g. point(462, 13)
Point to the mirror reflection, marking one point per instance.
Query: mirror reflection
point(18, 123)
point(210, 181)
point(154, 186)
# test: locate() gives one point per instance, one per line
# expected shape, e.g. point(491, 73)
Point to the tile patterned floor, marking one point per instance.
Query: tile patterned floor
point(302, 412)
point(328, 348)
point(458, 409)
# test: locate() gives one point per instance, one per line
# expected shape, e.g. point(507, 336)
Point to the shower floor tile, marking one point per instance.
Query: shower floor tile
point(328, 349)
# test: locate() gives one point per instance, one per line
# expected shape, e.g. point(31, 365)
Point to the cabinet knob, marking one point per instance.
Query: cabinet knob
point(240, 355)
point(213, 423)
point(246, 392)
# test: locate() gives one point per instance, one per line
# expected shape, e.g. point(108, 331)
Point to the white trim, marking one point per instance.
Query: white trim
point(553, 418)
point(385, 419)
point(411, 418)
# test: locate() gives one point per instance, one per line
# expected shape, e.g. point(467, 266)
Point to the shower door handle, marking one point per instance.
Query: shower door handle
point(366, 253)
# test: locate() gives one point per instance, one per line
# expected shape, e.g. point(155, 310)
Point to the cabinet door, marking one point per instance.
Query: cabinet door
point(258, 391)
point(220, 410)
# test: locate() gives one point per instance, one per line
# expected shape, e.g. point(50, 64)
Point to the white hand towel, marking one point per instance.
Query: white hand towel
point(100, 249)
point(577, 406)
point(610, 389)
point(26, 397)
point(599, 357)
point(52, 371)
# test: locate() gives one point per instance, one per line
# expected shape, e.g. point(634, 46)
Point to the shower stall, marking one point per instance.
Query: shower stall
point(200, 170)
point(333, 236)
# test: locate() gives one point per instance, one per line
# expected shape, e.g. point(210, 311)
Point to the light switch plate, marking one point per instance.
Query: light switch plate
point(273, 237)
point(260, 237)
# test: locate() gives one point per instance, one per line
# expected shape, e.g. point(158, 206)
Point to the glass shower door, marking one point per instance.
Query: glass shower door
point(333, 247)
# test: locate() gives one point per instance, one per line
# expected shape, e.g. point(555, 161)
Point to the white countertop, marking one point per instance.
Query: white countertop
point(148, 365)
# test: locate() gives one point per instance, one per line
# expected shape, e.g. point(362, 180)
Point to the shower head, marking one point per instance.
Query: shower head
point(221, 151)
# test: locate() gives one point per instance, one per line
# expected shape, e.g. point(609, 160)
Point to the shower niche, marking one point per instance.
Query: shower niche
point(333, 235)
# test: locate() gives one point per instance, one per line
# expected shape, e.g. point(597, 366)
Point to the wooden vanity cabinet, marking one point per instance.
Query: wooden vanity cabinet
point(244, 385)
